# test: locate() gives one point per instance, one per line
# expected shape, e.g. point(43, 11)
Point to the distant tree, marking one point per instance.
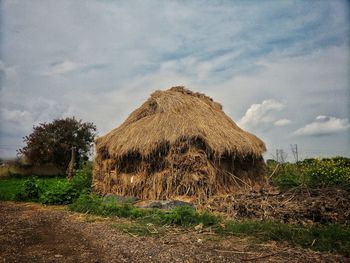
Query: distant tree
point(53, 142)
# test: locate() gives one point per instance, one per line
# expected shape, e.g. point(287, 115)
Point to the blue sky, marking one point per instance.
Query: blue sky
point(280, 68)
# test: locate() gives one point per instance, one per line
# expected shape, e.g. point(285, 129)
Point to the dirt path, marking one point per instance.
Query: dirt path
point(33, 233)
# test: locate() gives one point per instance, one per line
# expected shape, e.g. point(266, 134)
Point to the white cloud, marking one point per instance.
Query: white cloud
point(62, 68)
point(8, 71)
point(295, 52)
point(15, 115)
point(323, 125)
point(282, 122)
point(259, 114)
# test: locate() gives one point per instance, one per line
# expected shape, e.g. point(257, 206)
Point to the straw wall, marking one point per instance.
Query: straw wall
point(183, 169)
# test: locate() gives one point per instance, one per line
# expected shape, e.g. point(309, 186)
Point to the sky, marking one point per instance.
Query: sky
point(279, 68)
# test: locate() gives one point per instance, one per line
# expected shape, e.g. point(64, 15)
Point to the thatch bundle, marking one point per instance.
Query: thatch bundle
point(178, 143)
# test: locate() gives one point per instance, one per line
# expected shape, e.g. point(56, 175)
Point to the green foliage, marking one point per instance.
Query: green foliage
point(9, 187)
point(62, 192)
point(24, 188)
point(312, 172)
point(82, 179)
point(186, 216)
point(326, 172)
point(52, 142)
point(31, 190)
point(47, 190)
point(288, 175)
point(182, 215)
point(91, 203)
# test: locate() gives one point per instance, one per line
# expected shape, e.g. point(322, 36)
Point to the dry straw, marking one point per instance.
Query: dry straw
point(178, 143)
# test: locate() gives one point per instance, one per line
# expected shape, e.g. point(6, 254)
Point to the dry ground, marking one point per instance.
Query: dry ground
point(34, 233)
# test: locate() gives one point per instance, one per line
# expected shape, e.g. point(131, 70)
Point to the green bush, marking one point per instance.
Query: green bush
point(56, 190)
point(328, 172)
point(82, 178)
point(287, 176)
point(62, 192)
point(311, 172)
point(31, 190)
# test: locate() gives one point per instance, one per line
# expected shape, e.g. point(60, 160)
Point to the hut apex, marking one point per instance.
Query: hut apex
point(179, 143)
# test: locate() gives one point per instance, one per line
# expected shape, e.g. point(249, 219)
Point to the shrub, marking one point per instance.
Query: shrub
point(62, 192)
point(287, 176)
point(312, 172)
point(55, 190)
point(30, 190)
point(328, 172)
point(82, 179)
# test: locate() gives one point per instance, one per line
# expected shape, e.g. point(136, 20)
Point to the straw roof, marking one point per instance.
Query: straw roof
point(174, 114)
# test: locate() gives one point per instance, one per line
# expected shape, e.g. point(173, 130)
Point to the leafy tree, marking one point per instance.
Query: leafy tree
point(53, 142)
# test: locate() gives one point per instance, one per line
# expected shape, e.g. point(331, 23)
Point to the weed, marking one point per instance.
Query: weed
point(313, 173)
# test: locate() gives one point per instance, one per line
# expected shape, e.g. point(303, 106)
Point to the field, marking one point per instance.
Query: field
point(302, 216)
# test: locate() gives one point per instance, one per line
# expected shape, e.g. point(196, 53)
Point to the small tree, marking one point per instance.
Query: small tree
point(53, 142)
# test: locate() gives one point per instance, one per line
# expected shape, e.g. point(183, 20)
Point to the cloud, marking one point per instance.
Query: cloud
point(261, 114)
point(15, 115)
point(62, 67)
point(323, 125)
point(282, 122)
point(238, 52)
point(7, 71)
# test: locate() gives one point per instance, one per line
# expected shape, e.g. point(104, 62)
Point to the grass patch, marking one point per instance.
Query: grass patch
point(11, 186)
point(181, 216)
point(47, 190)
point(333, 237)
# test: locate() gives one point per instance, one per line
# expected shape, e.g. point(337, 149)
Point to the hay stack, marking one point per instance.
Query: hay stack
point(178, 143)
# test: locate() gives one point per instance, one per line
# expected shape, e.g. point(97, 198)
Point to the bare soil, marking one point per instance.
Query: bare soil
point(34, 233)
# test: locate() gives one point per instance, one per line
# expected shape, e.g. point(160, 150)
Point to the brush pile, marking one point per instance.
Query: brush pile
point(177, 144)
point(299, 205)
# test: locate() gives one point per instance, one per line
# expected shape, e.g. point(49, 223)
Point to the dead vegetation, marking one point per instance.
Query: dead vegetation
point(300, 205)
point(177, 144)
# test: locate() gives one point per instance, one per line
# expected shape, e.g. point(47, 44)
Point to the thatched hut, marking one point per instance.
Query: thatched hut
point(178, 143)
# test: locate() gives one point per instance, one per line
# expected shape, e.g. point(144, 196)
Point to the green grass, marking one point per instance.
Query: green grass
point(332, 237)
point(181, 216)
point(47, 190)
point(10, 186)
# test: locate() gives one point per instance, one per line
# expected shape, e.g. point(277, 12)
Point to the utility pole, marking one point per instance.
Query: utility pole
point(294, 148)
point(281, 156)
point(70, 168)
